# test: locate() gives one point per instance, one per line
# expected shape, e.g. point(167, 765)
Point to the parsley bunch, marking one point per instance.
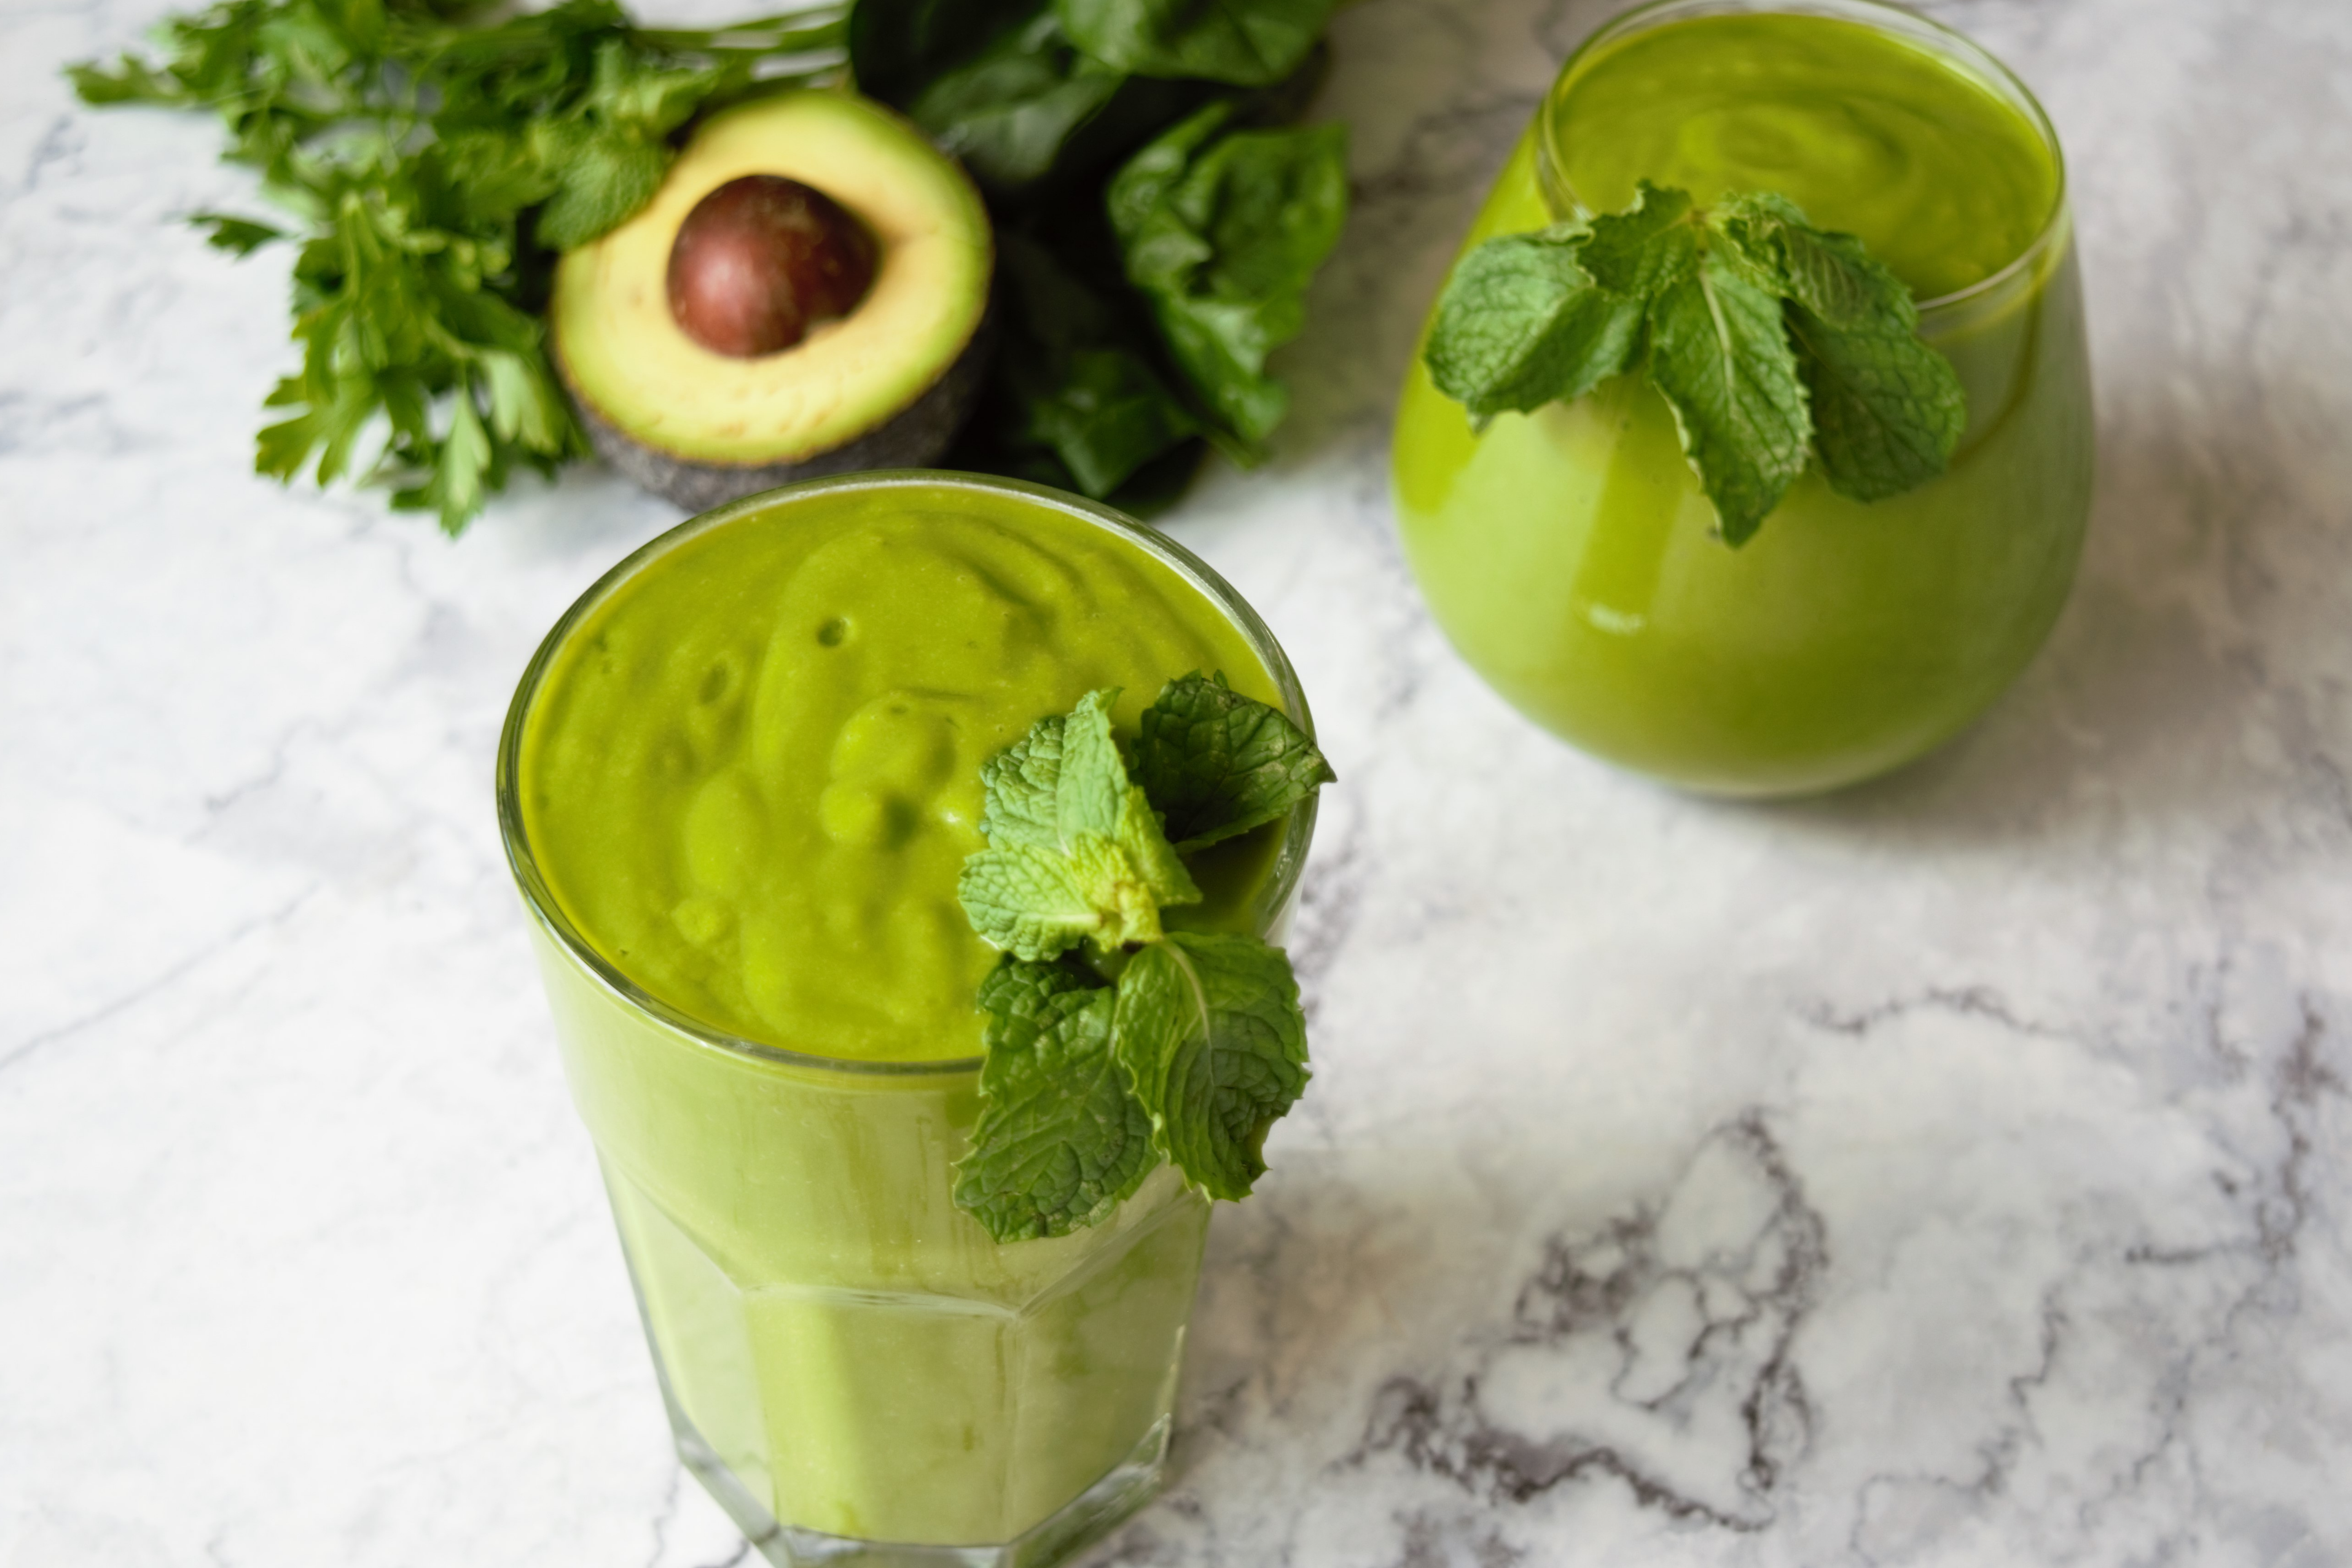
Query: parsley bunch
point(433, 168)
point(1768, 337)
point(1156, 1043)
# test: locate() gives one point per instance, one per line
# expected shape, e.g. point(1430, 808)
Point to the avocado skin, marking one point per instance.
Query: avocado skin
point(914, 437)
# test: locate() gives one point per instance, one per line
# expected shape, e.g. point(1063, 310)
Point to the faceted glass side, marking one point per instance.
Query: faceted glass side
point(841, 1425)
point(851, 1364)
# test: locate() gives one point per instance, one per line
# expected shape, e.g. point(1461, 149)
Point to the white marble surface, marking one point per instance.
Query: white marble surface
point(1952, 1172)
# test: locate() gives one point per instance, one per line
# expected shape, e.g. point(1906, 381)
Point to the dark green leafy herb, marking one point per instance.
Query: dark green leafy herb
point(1082, 383)
point(1061, 1141)
point(1217, 763)
point(237, 236)
point(1075, 853)
point(1249, 43)
point(1886, 410)
point(1199, 1044)
point(436, 164)
point(1009, 112)
point(898, 47)
point(1210, 1031)
point(1718, 352)
point(436, 167)
point(1766, 336)
point(1125, 339)
point(1222, 230)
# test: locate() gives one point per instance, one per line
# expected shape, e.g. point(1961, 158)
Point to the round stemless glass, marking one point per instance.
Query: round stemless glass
point(1569, 556)
point(851, 1365)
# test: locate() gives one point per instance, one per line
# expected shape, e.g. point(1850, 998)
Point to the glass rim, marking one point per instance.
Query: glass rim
point(1290, 856)
point(1886, 17)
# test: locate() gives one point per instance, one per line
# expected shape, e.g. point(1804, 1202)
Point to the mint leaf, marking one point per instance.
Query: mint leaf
point(1720, 356)
point(1521, 324)
point(1091, 785)
point(1219, 763)
point(1766, 336)
point(1528, 320)
point(1209, 1029)
point(1061, 1141)
point(1648, 247)
point(1075, 852)
point(1038, 903)
point(1832, 275)
point(1020, 789)
point(1887, 409)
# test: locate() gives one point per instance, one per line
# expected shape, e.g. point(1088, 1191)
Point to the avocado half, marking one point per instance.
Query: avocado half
point(887, 386)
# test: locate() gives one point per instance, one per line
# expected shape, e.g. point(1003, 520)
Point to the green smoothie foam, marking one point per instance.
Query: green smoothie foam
point(1568, 553)
point(747, 777)
point(752, 776)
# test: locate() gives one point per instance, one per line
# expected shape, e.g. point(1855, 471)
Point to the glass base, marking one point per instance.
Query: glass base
point(1080, 1522)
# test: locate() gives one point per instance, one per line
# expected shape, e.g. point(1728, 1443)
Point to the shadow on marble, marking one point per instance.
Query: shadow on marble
point(2169, 690)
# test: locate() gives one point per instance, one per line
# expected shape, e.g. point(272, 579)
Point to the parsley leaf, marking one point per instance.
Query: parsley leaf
point(1767, 338)
point(1210, 1033)
point(1219, 763)
point(1075, 852)
point(237, 236)
point(1061, 1141)
point(436, 164)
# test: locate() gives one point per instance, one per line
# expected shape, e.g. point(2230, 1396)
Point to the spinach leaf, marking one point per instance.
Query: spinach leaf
point(1221, 231)
point(1248, 43)
point(898, 47)
point(1075, 385)
point(1008, 111)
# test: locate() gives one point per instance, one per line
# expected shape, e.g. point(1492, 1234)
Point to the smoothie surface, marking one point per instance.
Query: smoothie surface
point(1943, 179)
point(750, 775)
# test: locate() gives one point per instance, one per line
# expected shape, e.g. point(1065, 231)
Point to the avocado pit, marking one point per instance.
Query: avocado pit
point(760, 260)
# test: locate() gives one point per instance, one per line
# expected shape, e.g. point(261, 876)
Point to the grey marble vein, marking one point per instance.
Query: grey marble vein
point(1950, 1172)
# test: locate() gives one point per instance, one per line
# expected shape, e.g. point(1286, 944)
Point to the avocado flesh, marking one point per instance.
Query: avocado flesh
point(884, 387)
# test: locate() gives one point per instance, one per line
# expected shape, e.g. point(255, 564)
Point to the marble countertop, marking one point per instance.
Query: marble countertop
point(1950, 1172)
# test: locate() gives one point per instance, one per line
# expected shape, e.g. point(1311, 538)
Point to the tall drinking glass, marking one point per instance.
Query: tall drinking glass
point(851, 1365)
point(1568, 553)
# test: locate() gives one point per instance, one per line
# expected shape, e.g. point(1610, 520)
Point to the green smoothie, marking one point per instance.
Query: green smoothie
point(739, 785)
point(1569, 552)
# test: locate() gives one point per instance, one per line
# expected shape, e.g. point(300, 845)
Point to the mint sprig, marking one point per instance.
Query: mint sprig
point(1218, 764)
point(1181, 1046)
point(1066, 1141)
point(1769, 338)
point(1075, 852)
point(1210, 1032)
